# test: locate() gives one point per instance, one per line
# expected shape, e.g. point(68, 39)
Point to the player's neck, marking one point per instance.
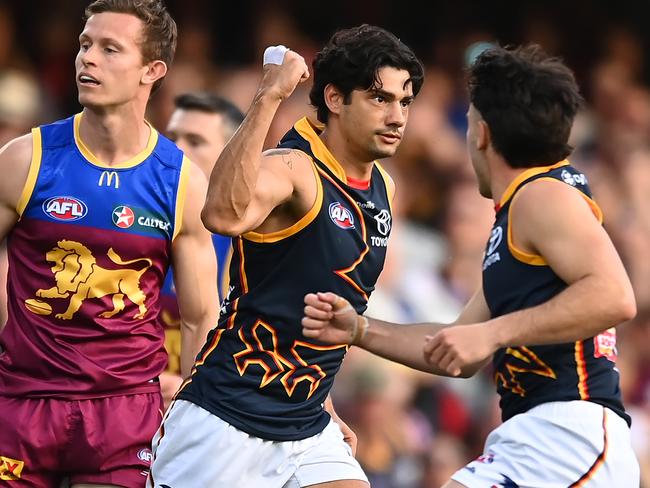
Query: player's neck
point(353, 164)
point(502, 176)
point(114, 136)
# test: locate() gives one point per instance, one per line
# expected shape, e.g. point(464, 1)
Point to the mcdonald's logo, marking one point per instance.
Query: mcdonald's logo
point(109, 176)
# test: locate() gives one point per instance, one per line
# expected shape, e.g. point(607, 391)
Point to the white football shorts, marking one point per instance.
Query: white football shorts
point(556, 445)
point(196, 448)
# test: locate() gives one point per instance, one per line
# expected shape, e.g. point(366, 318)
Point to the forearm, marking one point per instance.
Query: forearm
point(584, 309)
point(193, 336)
point(400, 343)
point(234, 177)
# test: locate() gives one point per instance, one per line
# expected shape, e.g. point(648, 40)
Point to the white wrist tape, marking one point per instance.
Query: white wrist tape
point(274, 54)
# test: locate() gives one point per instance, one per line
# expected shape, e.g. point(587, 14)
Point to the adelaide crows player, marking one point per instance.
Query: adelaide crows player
point(553, 290)
point(311, 213)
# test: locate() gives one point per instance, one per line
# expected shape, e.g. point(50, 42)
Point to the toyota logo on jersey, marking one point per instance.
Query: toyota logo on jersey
point(383, 222)
point(65, 208)
point(341, 216)
point(123, 217)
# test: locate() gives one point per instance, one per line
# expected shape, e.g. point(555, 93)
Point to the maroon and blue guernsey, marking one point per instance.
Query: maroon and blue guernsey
point(86, 263)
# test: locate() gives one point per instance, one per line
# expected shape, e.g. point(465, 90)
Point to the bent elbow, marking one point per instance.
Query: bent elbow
point(217, 225)
point(620, 303)
point(627, 307)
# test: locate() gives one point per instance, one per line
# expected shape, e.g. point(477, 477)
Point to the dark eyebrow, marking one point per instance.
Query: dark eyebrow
point(382, 93)
point(389, 96)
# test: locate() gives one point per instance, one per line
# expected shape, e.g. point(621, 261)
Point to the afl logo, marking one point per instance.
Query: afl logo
point(341, 216)
point(123, 217)
point(145, 455)
point(65, 208)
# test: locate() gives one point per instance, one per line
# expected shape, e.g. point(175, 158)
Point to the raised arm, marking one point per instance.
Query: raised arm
point(195, 273)
point(245, 187)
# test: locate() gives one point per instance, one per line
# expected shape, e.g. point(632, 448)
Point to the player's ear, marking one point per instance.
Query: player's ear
point(333, 98)
point(484, 138)
point(153, 71)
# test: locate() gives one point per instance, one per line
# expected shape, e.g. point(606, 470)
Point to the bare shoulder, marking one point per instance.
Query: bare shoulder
point(195, 192)
point(197, 180)
point(15, 161)
point(547, 208)
point(549, 197)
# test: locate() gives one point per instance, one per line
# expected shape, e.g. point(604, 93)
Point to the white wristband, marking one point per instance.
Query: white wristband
point(359, 331)
point(274, 54)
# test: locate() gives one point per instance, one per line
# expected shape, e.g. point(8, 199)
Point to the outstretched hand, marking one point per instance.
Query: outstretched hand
point(330, 318)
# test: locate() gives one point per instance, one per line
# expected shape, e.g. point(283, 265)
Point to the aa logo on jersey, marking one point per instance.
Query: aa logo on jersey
point(65, 208)
point(341, 216)
point(123, 217)
point(10, 469)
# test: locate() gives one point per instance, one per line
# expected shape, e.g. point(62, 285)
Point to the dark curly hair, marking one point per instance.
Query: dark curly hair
point(351, 60)
point(528, 100)
point(159, 33)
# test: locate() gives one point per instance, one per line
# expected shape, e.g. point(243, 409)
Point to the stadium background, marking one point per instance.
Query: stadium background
point(414, 429)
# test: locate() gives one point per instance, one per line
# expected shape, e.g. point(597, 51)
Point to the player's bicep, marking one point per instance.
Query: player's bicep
point(275, 186)
point(565, 232)
point(19, 169)
point(193, 256)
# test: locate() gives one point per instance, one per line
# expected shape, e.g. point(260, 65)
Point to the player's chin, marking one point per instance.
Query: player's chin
point(88, 100)
point(384, 151)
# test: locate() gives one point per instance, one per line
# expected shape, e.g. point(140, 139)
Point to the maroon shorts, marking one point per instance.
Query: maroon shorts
point(98, 441)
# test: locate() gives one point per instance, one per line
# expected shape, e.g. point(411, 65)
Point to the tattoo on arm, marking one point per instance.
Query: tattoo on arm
point(284, 153)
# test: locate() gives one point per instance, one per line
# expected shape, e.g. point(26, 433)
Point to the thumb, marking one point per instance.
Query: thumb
point(338, 303)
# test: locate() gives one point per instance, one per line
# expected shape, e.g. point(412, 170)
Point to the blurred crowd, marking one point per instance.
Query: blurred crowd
point(414, 429)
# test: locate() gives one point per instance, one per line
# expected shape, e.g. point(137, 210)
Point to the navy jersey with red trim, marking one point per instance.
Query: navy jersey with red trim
point(514, 280)
point(257, 371)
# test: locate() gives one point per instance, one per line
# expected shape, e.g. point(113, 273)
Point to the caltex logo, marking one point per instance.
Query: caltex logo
point(123, 217)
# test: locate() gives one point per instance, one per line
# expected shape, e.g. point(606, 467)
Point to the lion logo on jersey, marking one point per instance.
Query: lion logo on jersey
point(78, 277)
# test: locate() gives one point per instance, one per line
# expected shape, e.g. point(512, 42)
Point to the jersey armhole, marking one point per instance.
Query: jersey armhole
point(180, 196)
point(536, 259)
point(32, 175)
point(304, 221)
